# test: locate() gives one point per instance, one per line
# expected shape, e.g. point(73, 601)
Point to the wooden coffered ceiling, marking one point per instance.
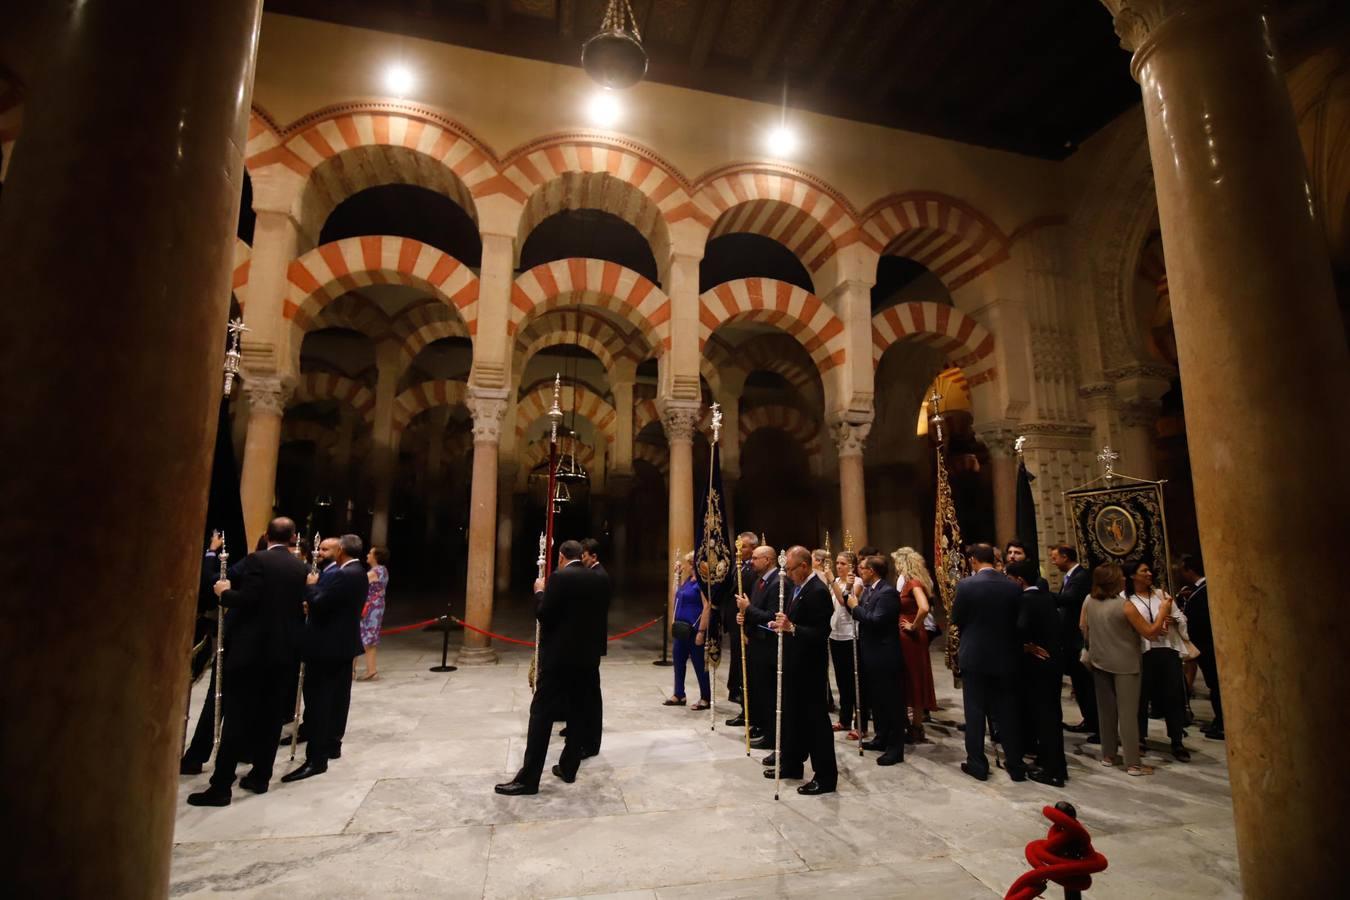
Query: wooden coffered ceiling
point(1029, 76)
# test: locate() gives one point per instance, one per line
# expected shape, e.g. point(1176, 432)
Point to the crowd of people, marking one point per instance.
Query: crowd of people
point(290, 631)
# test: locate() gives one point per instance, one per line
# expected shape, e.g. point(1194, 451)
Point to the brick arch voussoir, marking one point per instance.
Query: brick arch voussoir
point(965, 342)
point(781, 305)
point(951, 238)
point(426, 395)
point(788, 419)
point(586, 403)
point(314, 386)
point(594, 283)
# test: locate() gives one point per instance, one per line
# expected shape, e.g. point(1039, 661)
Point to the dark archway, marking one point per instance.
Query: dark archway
point(743, 255)
point(589, 234)
point(777, 495)
point(406, 210)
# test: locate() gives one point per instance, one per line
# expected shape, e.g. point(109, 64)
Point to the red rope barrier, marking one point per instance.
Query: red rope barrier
point(413, 627)
point(510, 640)
point(1065, 857)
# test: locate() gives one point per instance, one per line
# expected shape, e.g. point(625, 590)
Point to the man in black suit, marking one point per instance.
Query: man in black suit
point(756, 611)
point(570, 604)
point(1201, 630)
point(805, 625)
point(198, 751)
point(592, 712)
point(1040, 675)
point(985, 610)
point(332, 639)
point(728, 609)
point(877, 614)
point(1072, 592)
point(1016, 551)
point(264, 595)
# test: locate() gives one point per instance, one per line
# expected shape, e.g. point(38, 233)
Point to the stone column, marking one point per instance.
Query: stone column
point(267, 399)
point(621, 385)
point(1099, 404)
point(1261, 346)
point(679, 420)
point(1003, 474)
point(1140, 388)
point(134, 190)
point(850, 439)
point(384, 440)
point(488, 408)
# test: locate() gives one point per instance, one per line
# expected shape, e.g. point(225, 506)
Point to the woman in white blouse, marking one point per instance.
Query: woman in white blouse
point(1161, 680)
point(843, 584)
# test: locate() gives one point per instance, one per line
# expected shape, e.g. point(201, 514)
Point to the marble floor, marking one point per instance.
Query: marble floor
point(670, 808)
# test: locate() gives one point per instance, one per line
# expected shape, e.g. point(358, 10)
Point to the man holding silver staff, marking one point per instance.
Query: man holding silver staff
point(198, 751)
point(746, 542)
point(756, 612)
point(569, 605)
point(332, 639)
point(877, 615)
point(264, 595)
point(805, 624)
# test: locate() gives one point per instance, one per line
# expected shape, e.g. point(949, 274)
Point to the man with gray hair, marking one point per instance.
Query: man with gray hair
point(332, 639)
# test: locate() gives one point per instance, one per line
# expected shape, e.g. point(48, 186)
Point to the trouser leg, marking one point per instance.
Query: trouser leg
point(1010, 728)
point(199, 750)
point(975, 695)
point(1127, 698)
point(1172, 690)
point(1084, 691)
point(1049, 731)
point(320, 690)
point(1108, 712)
point(238, 710)
point(696, 654)
point(841, 653)
point(544, 709)
point(681, 661)
point(1209, 668)
point(824, 766)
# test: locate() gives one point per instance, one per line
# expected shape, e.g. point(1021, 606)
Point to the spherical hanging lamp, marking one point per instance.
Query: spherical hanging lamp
point(614, 56)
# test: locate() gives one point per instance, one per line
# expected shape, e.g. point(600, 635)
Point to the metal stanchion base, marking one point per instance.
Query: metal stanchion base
point(663, 662)
point(443, 669)
point(445, 650)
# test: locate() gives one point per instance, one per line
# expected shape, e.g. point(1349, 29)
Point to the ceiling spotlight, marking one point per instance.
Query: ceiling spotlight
point(604, 109)
point(399, 80)
point(781, 141)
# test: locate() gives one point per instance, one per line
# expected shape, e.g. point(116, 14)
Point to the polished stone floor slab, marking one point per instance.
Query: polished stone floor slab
point(670, 808)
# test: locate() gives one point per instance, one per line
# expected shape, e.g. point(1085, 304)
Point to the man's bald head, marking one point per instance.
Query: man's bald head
point(763, 559)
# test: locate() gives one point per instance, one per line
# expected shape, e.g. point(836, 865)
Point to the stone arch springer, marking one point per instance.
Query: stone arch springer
point(967, 343)
point(952, 239)
point(594, 283)
point(419, 398)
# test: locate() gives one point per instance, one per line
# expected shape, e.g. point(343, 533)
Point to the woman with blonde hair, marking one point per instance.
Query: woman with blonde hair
point(915, 586)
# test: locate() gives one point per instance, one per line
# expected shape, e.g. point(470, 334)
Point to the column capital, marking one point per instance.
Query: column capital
point(679, 420)
point(1139, 414)
point(1138, 21)
point(1098, 394)
point(488, 408)
point(268, 393)
point(850, 437)
point(999, 437)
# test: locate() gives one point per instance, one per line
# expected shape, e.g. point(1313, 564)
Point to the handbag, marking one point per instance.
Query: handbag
point(681, 631)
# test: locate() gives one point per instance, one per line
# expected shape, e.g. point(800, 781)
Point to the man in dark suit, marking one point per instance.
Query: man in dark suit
point(756, 611)
point(877, 614)
point(198, 751)
point(1072, 592)
point(332, 639)
point(805, 625)
point(264, 595)
point(568, 607)
point(1040, 675)
point(1201, 630)
point(985, 610)
point(728, 609)
point(592, 712)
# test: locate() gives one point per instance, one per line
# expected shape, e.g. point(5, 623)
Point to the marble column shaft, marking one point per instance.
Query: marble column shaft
point(679, 421)
point(132, 192)
point(850, 439)
point(1261, 347)
point(487, 408)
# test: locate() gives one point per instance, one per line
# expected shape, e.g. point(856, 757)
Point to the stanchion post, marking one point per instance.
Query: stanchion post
point(665, 659)
point(445, 648)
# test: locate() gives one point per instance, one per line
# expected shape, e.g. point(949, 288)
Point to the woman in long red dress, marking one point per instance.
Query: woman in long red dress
point(915, 585)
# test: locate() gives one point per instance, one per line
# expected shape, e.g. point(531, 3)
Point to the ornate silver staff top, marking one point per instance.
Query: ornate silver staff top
point(1020, 444)
point(232, 357)
point(555, 412)
point(935, 405)
point(1108, 457)
point(716, 422)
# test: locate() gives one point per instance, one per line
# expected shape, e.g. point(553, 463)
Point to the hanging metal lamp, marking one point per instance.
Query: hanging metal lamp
point(614, 56)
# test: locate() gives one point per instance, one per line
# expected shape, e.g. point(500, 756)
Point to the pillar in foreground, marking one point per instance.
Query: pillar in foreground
point(851, 439)
point(679, 420)
point(150, 217)
point(487, 408)
point(1261, 347)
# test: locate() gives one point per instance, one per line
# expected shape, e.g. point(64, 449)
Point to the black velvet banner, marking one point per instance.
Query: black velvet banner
point(1121, 524)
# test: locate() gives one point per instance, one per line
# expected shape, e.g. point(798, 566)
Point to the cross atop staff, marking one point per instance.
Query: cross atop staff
point(1108, 458)
point(236, 328)
point(935, 407)
point(716, 421)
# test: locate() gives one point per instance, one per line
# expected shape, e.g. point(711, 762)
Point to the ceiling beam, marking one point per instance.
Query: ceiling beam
point(771, 50)
point(842, 38)
point(496, 10)
point(705, 32)
point(567, 18)
point(922, 22)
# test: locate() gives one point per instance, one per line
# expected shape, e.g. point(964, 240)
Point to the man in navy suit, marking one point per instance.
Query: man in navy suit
point(1202, 635)
point(1073, 590)
point(332, 639)
point(878, 616)
point(985, 611)
point(757, 610)
point(735, 694)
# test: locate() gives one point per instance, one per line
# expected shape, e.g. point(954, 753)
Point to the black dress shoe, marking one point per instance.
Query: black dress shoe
point(307, 770)
point(874, 745)
point(737, 722)
point(1093, 738)
point(587, 754)
point(1213, 734)
point(1041, 777)
point(890, 759)
point(1181, 753)
point(813, 787)
point(769, 760)
point(558, 772)
point(1019, 776)
point(562, 732)
point(761, 742)
point(189, 767)
point(1080, 728)
point(212, 796)
point(253, 785)
point(978, 776)
point(768, 773)
point(516, 788)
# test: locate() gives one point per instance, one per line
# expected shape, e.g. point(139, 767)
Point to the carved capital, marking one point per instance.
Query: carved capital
point(1098, 394)
point(850, 438)
point(1139, 414)
point(998, 438)
point(268, 394)
point(487, 411)
point(1138, 21)
point(679, 421)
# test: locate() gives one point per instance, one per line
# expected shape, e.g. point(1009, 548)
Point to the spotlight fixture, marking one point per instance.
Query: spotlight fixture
point(604, 109)
point(399, 80)
point(614, 56)
point(781, 141)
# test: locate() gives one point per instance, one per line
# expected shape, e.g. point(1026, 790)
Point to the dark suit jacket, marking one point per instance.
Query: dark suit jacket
point(1198, 623)
point(878, 618)
point(728, 605)
point(265, 619)
point(1070, 599)
point(333, 632)
point(602, 612)
point(806, 651)
point(1038, 623)
point(571, 610)
point(985, 610)
point(763, 606)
